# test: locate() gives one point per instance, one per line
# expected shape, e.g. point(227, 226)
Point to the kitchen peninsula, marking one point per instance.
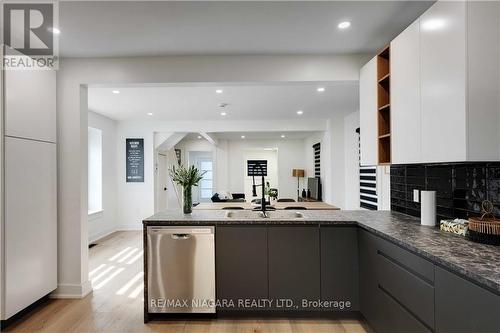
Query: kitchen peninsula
point(383, 265)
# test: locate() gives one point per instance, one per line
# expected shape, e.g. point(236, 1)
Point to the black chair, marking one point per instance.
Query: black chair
point(295, 208)
point(235, 208)
point(286, 200)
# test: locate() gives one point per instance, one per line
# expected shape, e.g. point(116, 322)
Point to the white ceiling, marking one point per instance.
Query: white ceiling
point(138, 28)
point(289, 135)
point(245, 101)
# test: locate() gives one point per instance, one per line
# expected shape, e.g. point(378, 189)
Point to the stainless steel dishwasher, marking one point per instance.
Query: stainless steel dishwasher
point(181, 269)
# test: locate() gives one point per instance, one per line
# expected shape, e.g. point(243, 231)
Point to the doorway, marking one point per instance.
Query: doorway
point(203, 161)
point(162, 182)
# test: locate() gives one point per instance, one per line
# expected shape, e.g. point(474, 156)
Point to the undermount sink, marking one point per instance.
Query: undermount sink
point(277, 214)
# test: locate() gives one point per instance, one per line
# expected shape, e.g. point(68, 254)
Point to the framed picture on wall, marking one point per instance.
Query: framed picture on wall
point(135, 160)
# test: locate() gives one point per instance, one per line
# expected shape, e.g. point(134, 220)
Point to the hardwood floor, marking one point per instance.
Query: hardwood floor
point(116, 304)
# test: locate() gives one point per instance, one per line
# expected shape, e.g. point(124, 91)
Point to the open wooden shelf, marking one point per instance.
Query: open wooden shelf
point(385, 78)
point(384, 122)
point(383, 96)
point(383, 105)
point(384, 150)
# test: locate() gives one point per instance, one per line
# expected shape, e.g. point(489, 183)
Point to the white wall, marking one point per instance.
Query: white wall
point(351, 162)
point(335, 193)
point(290, 156)
point(103, 223)
point(135, 200)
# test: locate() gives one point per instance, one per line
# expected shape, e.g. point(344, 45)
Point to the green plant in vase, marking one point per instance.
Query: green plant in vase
point(187, 178)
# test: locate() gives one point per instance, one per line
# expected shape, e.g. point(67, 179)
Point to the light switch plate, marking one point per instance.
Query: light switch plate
point(416, 196)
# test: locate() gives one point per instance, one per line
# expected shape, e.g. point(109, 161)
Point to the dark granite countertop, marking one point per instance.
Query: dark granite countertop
point(477, 262)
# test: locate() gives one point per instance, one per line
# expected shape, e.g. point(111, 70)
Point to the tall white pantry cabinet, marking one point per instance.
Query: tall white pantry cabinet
point(30, 189)
point(445, 73)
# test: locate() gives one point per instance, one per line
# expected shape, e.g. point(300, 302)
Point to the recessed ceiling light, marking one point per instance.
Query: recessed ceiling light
point(320, 89)
point(223, 113)
point(55, 31)
point(219, 91)
point(150, 113)
point(242, 136)
point(300, 112)
point(344, 25)
point(199, 136)
point(116, 91)
point(282, 136)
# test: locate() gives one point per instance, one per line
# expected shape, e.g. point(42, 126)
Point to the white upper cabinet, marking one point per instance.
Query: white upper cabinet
point(368, 112)
point(443, 82)
point(30, 104)
point(405, 96)
point(483, 116)
point(445, 85)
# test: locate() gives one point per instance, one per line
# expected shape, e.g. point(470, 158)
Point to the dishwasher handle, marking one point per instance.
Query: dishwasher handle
point(181, 231)
point(181, 236)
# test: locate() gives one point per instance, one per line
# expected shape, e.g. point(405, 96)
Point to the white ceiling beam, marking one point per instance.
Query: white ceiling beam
point(170, 142)
point(209, 138)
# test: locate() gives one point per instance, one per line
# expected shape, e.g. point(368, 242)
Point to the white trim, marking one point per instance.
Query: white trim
point(95, 214)
point(100, 235)
point(72, 290)
point(127, 227)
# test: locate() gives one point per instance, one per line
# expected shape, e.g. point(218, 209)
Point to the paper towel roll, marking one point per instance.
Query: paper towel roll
point(428, 208)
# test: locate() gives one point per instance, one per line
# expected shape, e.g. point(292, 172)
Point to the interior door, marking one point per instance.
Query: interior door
point(205, 187)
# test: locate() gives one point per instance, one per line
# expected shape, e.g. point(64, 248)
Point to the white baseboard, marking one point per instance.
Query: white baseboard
point(125, 227)
point(72, 290)
point(102, 234)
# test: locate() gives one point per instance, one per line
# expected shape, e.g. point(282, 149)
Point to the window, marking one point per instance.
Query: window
point(206, 184)
point(94, 170)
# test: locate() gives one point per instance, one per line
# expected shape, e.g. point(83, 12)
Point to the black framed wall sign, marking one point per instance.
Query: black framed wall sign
point(135, 160)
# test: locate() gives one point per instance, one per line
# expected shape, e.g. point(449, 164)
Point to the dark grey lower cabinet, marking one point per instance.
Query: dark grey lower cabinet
point(369, 292)
point(241, 265)
point(294, 265)
point(463, 307)
point(339, 267)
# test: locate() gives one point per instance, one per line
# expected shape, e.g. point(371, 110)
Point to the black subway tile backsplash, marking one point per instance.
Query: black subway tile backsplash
point(460, 187)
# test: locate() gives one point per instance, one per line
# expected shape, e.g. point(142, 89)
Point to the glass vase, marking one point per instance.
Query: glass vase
point(188, 200)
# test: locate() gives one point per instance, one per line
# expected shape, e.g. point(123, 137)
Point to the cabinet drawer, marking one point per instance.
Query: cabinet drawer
point(416, 265)
point(413, 293)
point(396, 319)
